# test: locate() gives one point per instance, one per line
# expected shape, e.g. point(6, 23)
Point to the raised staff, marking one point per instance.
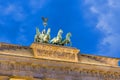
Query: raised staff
point(44, 24)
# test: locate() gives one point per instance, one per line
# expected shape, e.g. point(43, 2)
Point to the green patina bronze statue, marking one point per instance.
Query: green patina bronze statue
point(58, 38)
point(44, 37)
point(37, 36)
point(44, 21)
point(66, 40)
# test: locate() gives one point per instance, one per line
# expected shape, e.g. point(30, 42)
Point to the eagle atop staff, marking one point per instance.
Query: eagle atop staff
point(44, 24)
point(44, 21)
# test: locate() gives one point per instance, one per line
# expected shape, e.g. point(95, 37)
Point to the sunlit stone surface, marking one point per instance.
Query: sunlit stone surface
point(51, 62)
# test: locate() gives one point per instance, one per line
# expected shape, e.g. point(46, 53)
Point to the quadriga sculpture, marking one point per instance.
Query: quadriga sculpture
point(41, 37)
point(44, 37)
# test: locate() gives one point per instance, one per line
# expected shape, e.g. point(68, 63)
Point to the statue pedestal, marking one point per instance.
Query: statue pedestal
point(55, 52)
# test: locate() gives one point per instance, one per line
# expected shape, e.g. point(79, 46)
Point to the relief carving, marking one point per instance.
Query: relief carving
point(39, 69)
point(55, 52)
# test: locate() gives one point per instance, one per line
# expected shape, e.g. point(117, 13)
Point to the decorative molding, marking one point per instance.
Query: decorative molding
point(41, 69)
point(20, 78)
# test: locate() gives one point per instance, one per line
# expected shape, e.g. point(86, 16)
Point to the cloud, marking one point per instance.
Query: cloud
point(114, 3)
point(21, 38)
point(20, 10)
point(108, 16)
point(36, 5)
point(110, 46)
point(14, 11)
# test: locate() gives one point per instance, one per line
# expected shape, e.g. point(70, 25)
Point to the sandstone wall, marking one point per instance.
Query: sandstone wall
point(26, 68)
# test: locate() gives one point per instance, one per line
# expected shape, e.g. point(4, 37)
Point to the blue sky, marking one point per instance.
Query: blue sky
point(94, 25)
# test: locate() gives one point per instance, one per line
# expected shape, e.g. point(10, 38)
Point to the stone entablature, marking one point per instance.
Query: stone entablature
point(98, 60)
point(52, 62)
point(16, 50)
point(52, 52)
point(42, 69)
point(55, 52)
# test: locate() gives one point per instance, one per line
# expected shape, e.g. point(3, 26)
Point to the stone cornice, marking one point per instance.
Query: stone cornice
point(99, 60)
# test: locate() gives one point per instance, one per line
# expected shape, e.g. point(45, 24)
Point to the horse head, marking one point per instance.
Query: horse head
point(68, 35)
point(37, 31)
point(67, 40)
point(48, 31)
point(60, 32)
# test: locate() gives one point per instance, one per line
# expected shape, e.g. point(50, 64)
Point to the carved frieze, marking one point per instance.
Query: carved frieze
point(46, 71)
point(55, 52)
